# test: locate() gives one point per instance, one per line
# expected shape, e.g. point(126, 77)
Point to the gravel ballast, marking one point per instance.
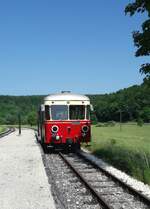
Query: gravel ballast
point(71, 193)
point(23, 180)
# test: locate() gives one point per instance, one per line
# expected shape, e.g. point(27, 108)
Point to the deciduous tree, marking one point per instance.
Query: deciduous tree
point(142, 38)
point(32, 118)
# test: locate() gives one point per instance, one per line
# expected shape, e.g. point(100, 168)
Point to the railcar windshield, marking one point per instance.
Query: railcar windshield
point(59, 112)
point(77, 112)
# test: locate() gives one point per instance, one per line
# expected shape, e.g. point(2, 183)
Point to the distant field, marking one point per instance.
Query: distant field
point(128, 149)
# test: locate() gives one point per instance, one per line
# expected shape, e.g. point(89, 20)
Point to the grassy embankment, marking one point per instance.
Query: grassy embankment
point(128, 150)
point(2, 128)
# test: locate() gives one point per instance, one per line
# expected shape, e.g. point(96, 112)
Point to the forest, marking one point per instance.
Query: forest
point(133, 103)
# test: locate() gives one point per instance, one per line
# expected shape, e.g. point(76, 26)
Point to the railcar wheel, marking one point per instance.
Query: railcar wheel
point(76, 147)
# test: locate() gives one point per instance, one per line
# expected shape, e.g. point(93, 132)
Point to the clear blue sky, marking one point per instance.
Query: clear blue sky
point(80, 45)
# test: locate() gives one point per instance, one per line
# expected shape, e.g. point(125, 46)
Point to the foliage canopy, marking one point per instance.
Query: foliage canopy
point(142, 39)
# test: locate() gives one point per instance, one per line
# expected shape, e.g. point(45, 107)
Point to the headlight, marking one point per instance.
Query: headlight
point(57, 137)
point(85, 128)
point(54, 129)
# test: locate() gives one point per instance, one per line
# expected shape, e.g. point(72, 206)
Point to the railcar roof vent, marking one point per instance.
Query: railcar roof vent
point(65, 92)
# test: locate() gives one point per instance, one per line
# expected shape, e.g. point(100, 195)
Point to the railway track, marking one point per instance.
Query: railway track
point(133, 191)
point(8, 131)
point(82, 184)
point(102, 185)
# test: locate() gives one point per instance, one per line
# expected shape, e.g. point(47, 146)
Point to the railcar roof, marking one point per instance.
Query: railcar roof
point(66, 97)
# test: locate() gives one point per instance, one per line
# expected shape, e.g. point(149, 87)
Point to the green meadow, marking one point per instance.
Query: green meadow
point(127, 148)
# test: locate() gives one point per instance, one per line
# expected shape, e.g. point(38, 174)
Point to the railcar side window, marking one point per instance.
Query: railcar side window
point(47, 115)
point(88, 112)
point(59, 112)
point(77, 112)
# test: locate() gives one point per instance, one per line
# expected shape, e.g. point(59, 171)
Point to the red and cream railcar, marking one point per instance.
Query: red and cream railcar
point(64, 120)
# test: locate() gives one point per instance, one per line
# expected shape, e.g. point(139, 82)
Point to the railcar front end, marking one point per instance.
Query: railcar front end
point(64, 121)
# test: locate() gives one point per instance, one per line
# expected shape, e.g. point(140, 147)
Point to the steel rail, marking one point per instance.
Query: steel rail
point(87, 184)
point(133, 191)
point(5, 133)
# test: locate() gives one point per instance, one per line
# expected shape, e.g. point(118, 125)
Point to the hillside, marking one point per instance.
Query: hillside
point(11, 106)
point(134, 102)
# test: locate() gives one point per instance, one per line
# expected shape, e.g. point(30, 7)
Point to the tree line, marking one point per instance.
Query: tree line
point(12, 106)
point(133, 102)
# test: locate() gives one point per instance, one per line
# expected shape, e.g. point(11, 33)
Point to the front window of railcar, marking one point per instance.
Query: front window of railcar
point(59, 112)
point(77, 112)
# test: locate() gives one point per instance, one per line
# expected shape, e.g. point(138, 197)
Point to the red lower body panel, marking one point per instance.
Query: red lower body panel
point(68, 132)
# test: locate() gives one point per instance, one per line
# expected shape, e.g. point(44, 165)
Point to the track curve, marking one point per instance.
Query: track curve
point(8, 131)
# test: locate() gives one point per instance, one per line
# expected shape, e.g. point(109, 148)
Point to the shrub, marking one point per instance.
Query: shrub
point(113, 142)
point(32, 118)
point(111, 123)
point(100, 125)
point(140, 122)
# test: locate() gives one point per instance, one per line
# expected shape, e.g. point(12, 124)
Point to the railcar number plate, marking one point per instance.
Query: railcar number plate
point(76, 122)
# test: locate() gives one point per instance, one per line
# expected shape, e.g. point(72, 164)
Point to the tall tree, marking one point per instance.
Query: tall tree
point(32, 118)
point(141, 38)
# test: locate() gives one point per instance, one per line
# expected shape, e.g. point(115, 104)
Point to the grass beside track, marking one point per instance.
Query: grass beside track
point(2, 129)
point(128, 150)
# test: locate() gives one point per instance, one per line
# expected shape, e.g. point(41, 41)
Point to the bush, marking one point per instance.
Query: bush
point(32, 118)
point(111, 123)
point(94, 118)
point(140, 122)
point(94, 122)
point(113, 142)
point(100, 125)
